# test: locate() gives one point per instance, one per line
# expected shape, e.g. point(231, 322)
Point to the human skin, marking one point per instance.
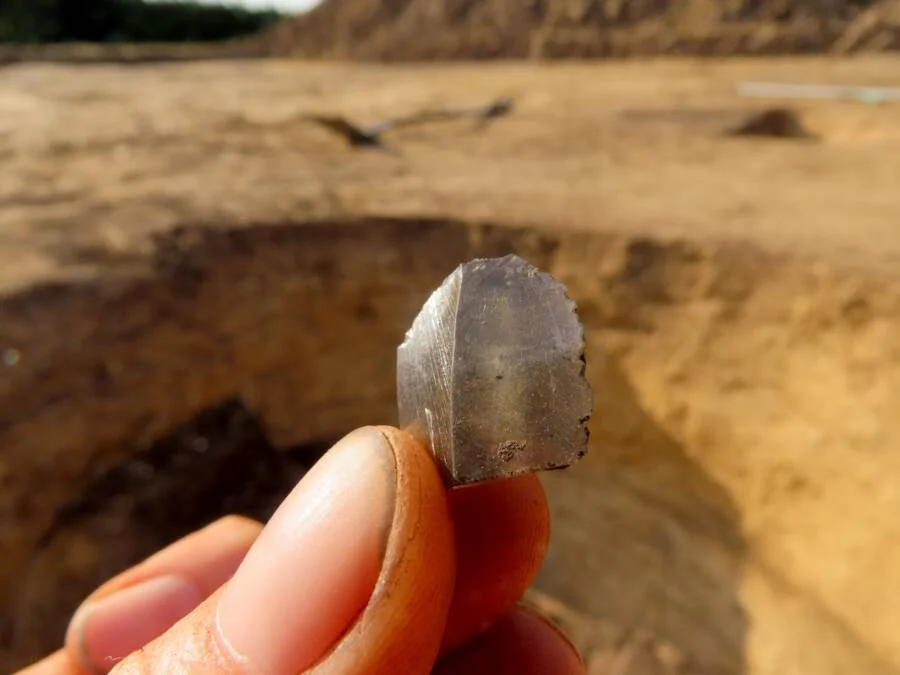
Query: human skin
point(369, 566)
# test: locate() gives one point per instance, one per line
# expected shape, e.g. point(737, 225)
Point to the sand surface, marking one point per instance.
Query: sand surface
point(741, 297)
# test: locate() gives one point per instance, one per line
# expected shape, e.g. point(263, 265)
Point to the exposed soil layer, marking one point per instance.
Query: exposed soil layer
point(462, 29)
point(715, 459)
point(163, 255)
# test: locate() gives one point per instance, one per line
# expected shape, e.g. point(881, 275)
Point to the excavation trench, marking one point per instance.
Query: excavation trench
point(737, 513)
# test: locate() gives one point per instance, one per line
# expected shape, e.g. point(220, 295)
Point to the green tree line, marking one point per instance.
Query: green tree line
point(31, 21)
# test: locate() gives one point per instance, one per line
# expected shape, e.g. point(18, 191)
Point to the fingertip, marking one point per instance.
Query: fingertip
point(140, 604)
point(502, 535)
point(401, 628)
point(521, 642)
point(315, 565)
point(401, 621)
point(397, 626)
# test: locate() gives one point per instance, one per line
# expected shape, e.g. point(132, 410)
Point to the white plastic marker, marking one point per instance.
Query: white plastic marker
point(831, 92)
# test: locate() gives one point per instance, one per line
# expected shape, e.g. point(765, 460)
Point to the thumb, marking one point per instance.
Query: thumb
point(353, 574)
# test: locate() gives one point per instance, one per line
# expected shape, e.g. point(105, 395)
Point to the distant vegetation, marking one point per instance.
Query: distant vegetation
point(41, 21)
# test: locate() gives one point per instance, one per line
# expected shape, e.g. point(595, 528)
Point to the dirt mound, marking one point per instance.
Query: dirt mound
point(774, 123)
point(445, 29)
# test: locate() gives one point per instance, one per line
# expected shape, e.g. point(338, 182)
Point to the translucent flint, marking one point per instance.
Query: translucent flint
point(491, 373)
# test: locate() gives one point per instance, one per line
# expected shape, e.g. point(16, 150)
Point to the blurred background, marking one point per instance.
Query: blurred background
point(217, 221)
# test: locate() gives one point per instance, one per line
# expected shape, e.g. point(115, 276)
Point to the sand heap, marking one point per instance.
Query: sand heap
point(479, 29)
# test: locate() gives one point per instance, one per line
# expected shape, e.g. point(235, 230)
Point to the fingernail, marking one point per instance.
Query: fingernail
point(312, 570)
point(110, 628)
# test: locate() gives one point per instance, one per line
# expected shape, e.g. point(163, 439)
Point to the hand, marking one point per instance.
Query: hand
point(369, 566)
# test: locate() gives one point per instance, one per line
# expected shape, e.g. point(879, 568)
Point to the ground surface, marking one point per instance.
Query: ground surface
point(97, 154)
point(741, 298)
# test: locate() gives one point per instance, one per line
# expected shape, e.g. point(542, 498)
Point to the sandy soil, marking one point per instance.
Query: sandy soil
point(96, 154)
point(741, 298)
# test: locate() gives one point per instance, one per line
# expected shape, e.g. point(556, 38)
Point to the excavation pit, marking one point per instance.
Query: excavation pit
point(741, 451)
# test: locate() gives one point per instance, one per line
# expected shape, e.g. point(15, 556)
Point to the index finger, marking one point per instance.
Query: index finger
point(502, 534)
